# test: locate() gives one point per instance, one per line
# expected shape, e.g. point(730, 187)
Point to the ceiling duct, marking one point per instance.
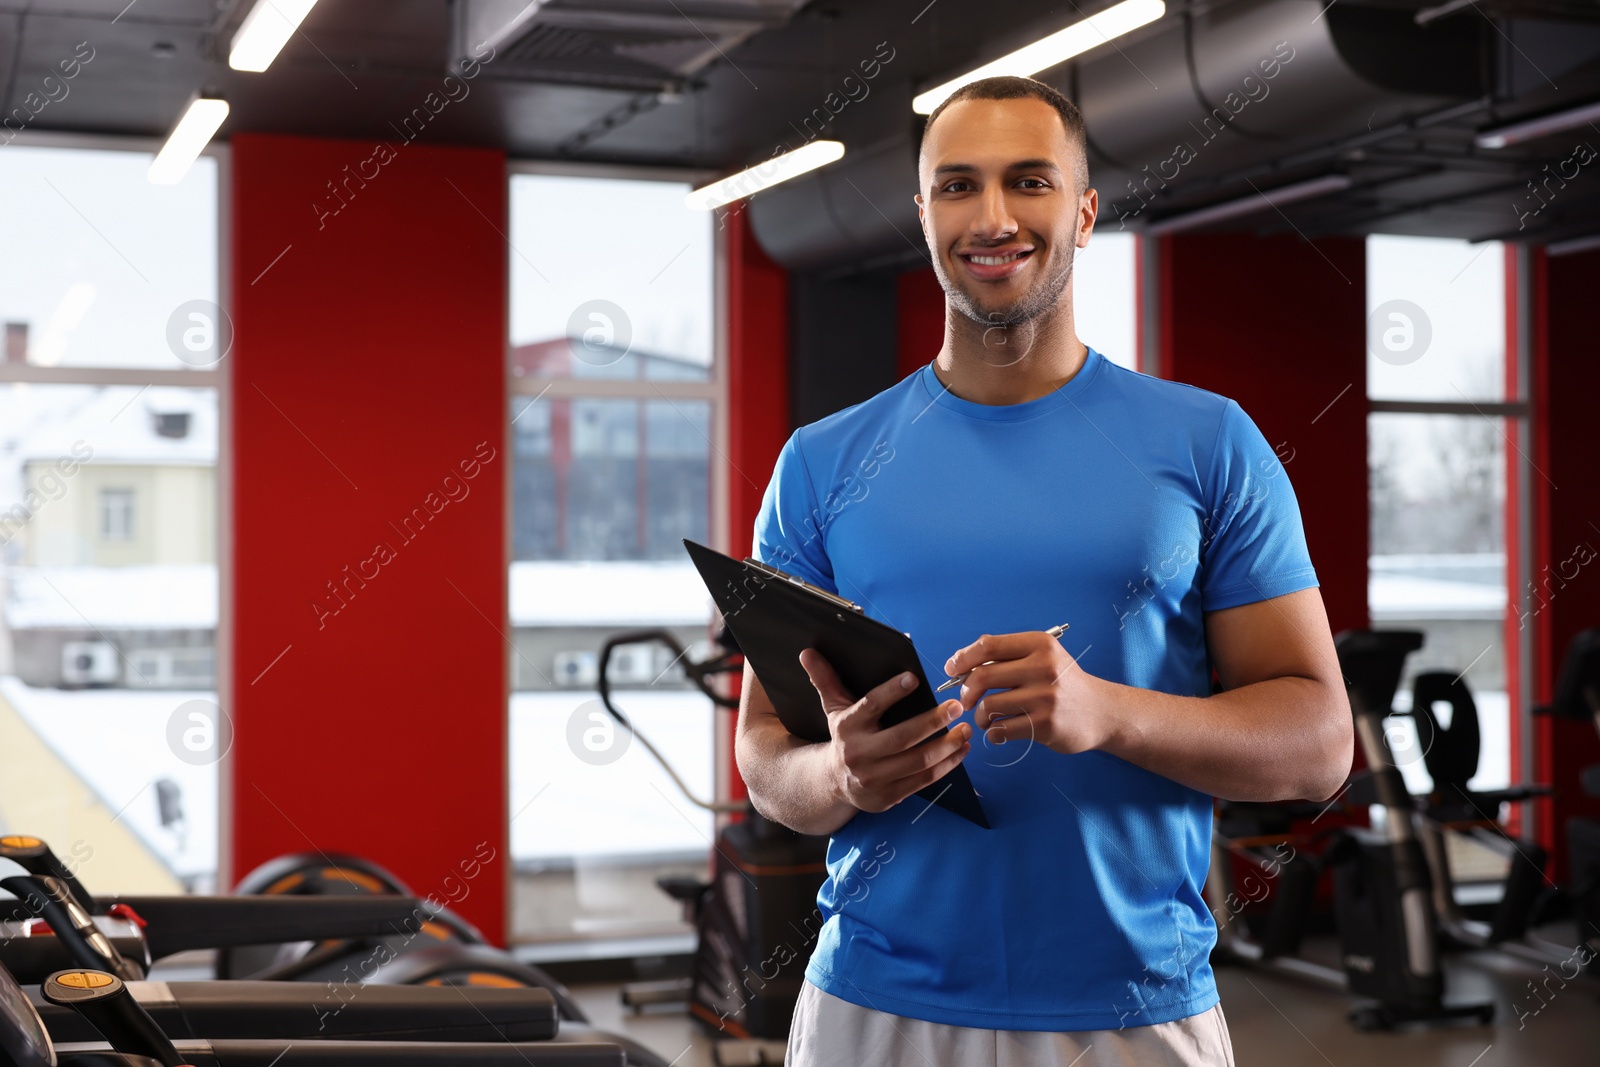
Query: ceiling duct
point(1154, 92)
point(630, 45)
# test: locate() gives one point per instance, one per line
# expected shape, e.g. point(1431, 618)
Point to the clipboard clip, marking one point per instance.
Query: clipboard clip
point(832, 598)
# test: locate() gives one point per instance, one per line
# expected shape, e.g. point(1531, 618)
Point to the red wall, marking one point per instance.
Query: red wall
point(368, 365)
point(1279, 325)
point(758, 392)
point(919, 319)
point(758, 373)
point(1565, 487)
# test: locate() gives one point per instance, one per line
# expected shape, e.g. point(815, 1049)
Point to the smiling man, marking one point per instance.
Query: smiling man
point(1034, 482)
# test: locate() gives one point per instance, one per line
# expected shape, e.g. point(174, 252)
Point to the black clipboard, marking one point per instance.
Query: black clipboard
point(774, 616)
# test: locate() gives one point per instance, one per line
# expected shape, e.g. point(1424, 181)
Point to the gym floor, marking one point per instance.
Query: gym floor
point(1278, 1020)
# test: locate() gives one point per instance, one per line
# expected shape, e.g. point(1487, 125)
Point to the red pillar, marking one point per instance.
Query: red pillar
point(1279, 325)
point(369, 689)
point(758, 390)
point(1565, 484)
point(919, 319)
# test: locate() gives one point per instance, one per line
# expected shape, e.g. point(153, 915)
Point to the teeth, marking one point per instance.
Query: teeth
point(995, 261)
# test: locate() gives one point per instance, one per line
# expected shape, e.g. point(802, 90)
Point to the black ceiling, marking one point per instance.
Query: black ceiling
point(730, 98)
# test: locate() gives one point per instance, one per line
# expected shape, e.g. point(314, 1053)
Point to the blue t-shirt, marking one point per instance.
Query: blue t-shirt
point(1125, 505)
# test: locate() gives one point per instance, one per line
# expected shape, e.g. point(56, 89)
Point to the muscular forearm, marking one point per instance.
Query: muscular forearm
point(1279, 739)
point(789, 780)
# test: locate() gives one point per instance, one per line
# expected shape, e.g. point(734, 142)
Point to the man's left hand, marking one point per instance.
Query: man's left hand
point(1046, 696)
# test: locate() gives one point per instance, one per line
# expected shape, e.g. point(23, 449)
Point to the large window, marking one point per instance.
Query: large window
point(1441, 434)
point(1105, 296)
point(108, 514)
point(614, 415)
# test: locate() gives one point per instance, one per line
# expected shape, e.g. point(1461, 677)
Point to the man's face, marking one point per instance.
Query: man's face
point(997, 181)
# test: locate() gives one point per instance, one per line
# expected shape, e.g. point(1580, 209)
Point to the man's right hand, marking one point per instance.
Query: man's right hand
point(874, 769)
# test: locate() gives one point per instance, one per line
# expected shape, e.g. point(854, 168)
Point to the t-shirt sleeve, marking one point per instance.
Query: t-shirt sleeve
point(1253, 543)
point(788, 531)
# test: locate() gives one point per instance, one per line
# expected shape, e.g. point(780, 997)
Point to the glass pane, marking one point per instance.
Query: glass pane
point(1103, 292)
point(1435, 319)
point(604, 490)
point(609, 279)
point(108, 703)
point(115, 268)
point(1438, 565)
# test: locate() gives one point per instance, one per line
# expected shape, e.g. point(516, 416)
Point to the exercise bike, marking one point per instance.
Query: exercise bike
point(1383, 908)
point(747, 973)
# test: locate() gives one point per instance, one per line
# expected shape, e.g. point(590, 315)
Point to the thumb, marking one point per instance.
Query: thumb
point(825, 681)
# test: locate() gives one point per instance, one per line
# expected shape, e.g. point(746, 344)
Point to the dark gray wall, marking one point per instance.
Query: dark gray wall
point(841, 341)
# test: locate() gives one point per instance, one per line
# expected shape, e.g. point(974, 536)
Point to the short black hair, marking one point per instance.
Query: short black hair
point(1009, 87)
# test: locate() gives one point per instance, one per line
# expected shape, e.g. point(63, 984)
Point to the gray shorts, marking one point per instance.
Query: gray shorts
point(830, 1032)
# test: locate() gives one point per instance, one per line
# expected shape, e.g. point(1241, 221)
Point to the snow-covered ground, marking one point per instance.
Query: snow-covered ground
point(623, 594)
point(116, 741)
point(157, 596)
point(562, 806)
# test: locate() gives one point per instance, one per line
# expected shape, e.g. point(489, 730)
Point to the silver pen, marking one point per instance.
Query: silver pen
point(1054, 631)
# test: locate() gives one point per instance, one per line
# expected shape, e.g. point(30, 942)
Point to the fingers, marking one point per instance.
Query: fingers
point(1005, 674)
point(825, 681)
point(893, 766)
point(1011, 702)
point(918, 728)
point(940, 759)
point(995, 647)
point(864, 715)
point(1017, 725)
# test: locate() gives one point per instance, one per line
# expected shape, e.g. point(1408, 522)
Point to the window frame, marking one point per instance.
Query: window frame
point(126, 501)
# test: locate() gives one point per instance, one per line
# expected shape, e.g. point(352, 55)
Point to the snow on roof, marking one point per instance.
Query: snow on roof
point(116, 741)
point(167, 596)
point(1410, 597)
point(118, 422)
point(184, 596)
point(607, 594)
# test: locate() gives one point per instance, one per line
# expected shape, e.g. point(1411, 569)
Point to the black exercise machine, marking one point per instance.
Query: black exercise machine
point(125, 1035)
point(1450, 753)
point(1577, 698)
point(505, 1010)
point(751, 918)
point(1383, 905)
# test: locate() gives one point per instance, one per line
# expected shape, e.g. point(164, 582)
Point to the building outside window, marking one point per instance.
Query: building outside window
point(108, 514)
point(614, 411)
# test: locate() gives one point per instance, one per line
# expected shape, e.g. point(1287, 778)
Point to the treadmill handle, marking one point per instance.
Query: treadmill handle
point(104, 1000)
point(36, 857)
point(72, 926)
point(177, 923)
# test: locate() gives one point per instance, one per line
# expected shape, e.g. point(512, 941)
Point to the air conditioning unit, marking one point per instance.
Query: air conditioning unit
point(634, 664)
point(578, 668)
point(88, 663)
point(184, 667)
point(634, 45)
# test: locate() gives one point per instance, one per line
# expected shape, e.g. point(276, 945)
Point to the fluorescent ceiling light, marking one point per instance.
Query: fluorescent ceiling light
point(764, 175)
point(1046, 52)
point(1572, 244)
point(188, 139)
point(1532, 129)
point(1249, 205)
point(264, 32)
